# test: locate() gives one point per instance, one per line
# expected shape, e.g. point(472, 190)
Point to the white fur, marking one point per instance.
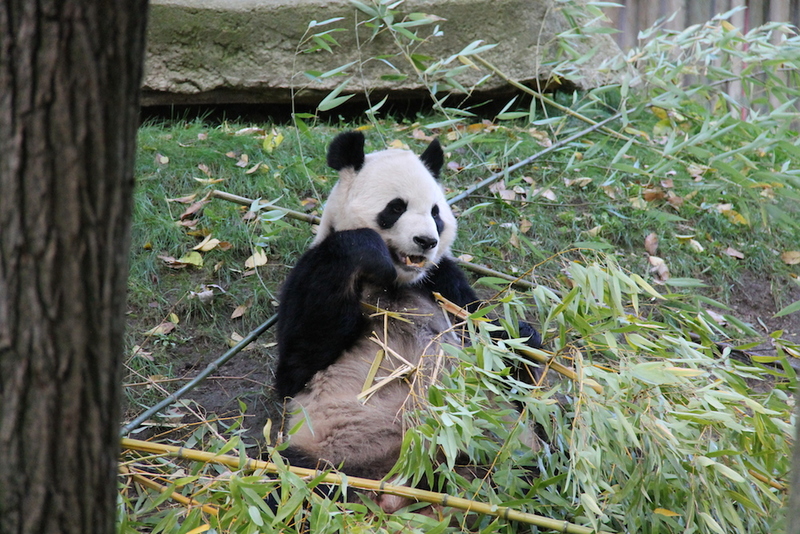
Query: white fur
point(358, 198)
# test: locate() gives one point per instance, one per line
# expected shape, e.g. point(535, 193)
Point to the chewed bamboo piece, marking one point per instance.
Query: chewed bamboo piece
point(534, 354)
point(442, 499)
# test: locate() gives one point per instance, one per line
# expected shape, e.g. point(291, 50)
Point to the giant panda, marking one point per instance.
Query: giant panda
point(366, 284)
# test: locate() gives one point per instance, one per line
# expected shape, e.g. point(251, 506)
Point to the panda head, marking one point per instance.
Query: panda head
point(395, 193)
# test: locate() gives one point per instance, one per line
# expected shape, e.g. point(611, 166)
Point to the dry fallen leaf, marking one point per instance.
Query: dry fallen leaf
point(718, 317)
point(204, 169)
point(651, 244)
point(420, 135)
point(194, 209)
point(161, 159)
point(258, 259)
point(253, 169)
point(659, 269)
point(239, 311)
point(161, 330)
point(638, 203)
point(791, 257)
point(207, 244)
point(651, 195)
point(244, 161)
point(733, 253)
point(250, 131)
point(139, 352)
point(236, 338)
point(546, 194)
point(309, 204)
point(397, 143)
point(184, 200)
point(674, 200)
point(580, 182)
point(192, 258)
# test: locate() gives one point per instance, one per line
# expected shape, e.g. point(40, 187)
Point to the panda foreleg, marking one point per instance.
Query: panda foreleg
point(449, 280)
point(320, 311)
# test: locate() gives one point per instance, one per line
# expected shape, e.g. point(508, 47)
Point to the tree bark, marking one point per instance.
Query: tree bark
point(70, 72)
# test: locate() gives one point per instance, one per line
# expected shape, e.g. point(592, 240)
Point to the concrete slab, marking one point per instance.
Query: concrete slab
point(249, 51)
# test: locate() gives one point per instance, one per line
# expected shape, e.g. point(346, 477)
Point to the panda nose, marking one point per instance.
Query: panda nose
point(425, 242)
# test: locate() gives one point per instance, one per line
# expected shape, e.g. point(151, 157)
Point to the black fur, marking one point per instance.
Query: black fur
point(433, 158)
point(391, 213)
point(437, 219)
point(347, 150)
point(320, 314)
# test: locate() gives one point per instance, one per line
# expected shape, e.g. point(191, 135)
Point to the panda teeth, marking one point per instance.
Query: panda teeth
point(419, 264)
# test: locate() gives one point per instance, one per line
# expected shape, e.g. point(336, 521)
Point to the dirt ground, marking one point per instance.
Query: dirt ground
point(248, 376)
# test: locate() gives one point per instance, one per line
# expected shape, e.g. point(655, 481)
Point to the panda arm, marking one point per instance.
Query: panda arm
point(320, 313)
point(449, 280)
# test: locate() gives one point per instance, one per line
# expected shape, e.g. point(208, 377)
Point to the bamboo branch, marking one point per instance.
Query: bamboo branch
point(555, 146)
point(311, 219)
point(152, 484)
point(213, 366)
point(234, 462)
point(550, 102)
point(534, 354)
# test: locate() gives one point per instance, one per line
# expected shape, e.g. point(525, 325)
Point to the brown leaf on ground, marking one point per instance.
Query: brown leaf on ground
point(659, 269)
point(184, 200)
point(651, 244)
point(733, 253)
point(651, 195)
point(791, 257)
point(194, 209)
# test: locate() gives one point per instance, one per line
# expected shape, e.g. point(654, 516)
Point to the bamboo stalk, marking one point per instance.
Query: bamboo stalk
point(152, 484)
point(555, 146)
point(213, 366)
point(363, 483)
point(550, 102)
point(534, 354)
point(311, 219)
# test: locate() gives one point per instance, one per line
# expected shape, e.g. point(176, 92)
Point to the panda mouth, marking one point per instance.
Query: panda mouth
point(409, 261)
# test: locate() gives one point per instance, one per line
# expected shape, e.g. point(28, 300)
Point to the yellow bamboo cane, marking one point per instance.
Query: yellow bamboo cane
point(431, 497)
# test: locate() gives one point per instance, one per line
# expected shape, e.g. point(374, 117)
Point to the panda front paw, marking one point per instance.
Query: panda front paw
point(534, 338)
point(369, 255)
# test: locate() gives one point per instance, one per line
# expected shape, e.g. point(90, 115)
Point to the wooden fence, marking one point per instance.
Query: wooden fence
point(637, 15)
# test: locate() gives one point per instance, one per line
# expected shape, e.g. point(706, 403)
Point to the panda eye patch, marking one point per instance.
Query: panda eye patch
point(391, 213)
point(438, 220)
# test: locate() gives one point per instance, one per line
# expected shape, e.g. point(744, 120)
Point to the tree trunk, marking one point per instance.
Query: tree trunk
point(70, 72)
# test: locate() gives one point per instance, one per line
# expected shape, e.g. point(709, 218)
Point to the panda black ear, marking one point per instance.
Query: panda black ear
point(347, 150)
point(433, 158)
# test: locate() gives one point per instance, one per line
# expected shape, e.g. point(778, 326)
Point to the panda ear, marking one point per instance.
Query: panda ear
point(433, 158)
point(347, 150)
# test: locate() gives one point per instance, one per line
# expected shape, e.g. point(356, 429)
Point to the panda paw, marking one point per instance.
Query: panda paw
point(369, 254)
point(534, 338)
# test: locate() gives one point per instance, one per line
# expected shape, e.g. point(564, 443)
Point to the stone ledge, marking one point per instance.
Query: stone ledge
point(245, 51)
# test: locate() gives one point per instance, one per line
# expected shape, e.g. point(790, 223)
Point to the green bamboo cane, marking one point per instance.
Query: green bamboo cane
point(213, 366)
